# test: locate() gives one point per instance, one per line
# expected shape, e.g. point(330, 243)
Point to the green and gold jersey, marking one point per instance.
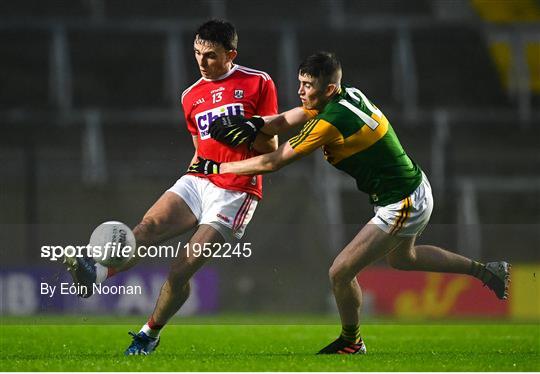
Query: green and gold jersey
point(357, 138)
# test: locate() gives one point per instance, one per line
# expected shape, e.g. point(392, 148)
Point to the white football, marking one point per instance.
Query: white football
point(112, 244)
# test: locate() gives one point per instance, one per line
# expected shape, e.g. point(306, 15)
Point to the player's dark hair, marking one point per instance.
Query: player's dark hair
point(218, 31)
point(322, 65)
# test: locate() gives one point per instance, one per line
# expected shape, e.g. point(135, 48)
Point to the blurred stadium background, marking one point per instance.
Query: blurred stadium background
point(91, 130)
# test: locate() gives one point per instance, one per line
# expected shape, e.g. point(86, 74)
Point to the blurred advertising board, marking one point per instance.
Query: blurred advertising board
point(435, 295)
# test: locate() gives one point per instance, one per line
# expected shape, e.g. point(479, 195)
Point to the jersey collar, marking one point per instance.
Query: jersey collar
point(338, 96)
point(233, 69)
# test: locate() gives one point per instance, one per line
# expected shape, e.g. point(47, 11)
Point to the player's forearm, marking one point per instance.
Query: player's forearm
point(283, 121)
point(252, 166)
point(265, 143)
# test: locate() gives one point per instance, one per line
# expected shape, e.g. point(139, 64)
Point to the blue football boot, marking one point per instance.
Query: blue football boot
point(142, 344)
point(83, 272)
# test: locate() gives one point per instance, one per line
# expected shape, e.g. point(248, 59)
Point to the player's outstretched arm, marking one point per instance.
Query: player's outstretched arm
point(237, 129)
point(262, 164)
point(265, 143)
point(286, 120)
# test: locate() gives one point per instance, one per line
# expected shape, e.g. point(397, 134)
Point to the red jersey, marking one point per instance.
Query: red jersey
point(242, 91)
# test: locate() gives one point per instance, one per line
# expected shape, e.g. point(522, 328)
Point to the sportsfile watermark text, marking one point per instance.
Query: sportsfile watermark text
point(221, 250)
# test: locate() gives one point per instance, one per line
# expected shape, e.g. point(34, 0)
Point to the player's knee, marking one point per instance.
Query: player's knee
point(339, 274)
point(146, 231)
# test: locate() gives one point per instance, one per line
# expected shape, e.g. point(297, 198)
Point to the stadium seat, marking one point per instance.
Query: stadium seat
point(387, 8)
point(163, 151)
point(268, 14)
point(26, 9)
point(488, 149)
point(454, 69)
point(129, 9)
point(115, 69)
point(24, 69)
point(249, 50)
point(366, 58)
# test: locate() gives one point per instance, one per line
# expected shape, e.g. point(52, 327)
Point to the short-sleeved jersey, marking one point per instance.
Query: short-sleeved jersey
point(357, 138)
point(241, 91)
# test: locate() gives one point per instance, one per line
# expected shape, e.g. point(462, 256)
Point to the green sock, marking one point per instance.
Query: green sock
point(478, 270)
point(351, 333)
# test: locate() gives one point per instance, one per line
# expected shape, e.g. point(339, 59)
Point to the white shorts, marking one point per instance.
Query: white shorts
point(409, 216)
point(229, 212)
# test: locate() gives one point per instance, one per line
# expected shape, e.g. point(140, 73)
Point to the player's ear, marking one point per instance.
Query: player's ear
point(330, 89)
point(231, 55)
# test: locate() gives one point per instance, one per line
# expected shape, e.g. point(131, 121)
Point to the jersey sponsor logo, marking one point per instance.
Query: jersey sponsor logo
point(238, 94)
point(204, 119)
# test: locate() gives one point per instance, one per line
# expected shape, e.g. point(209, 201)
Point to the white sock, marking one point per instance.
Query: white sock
point(150, 332)
point(101, 273)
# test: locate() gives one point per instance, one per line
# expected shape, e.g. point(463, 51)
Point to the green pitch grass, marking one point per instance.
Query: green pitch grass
point(64, 344)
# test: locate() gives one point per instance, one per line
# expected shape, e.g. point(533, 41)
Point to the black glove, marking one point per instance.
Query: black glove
point(236, 130)
point(204, 166)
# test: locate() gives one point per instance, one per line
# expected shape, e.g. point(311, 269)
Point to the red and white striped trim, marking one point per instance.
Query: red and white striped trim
point(254, 72)
point(242, 213)
point(186, 91)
